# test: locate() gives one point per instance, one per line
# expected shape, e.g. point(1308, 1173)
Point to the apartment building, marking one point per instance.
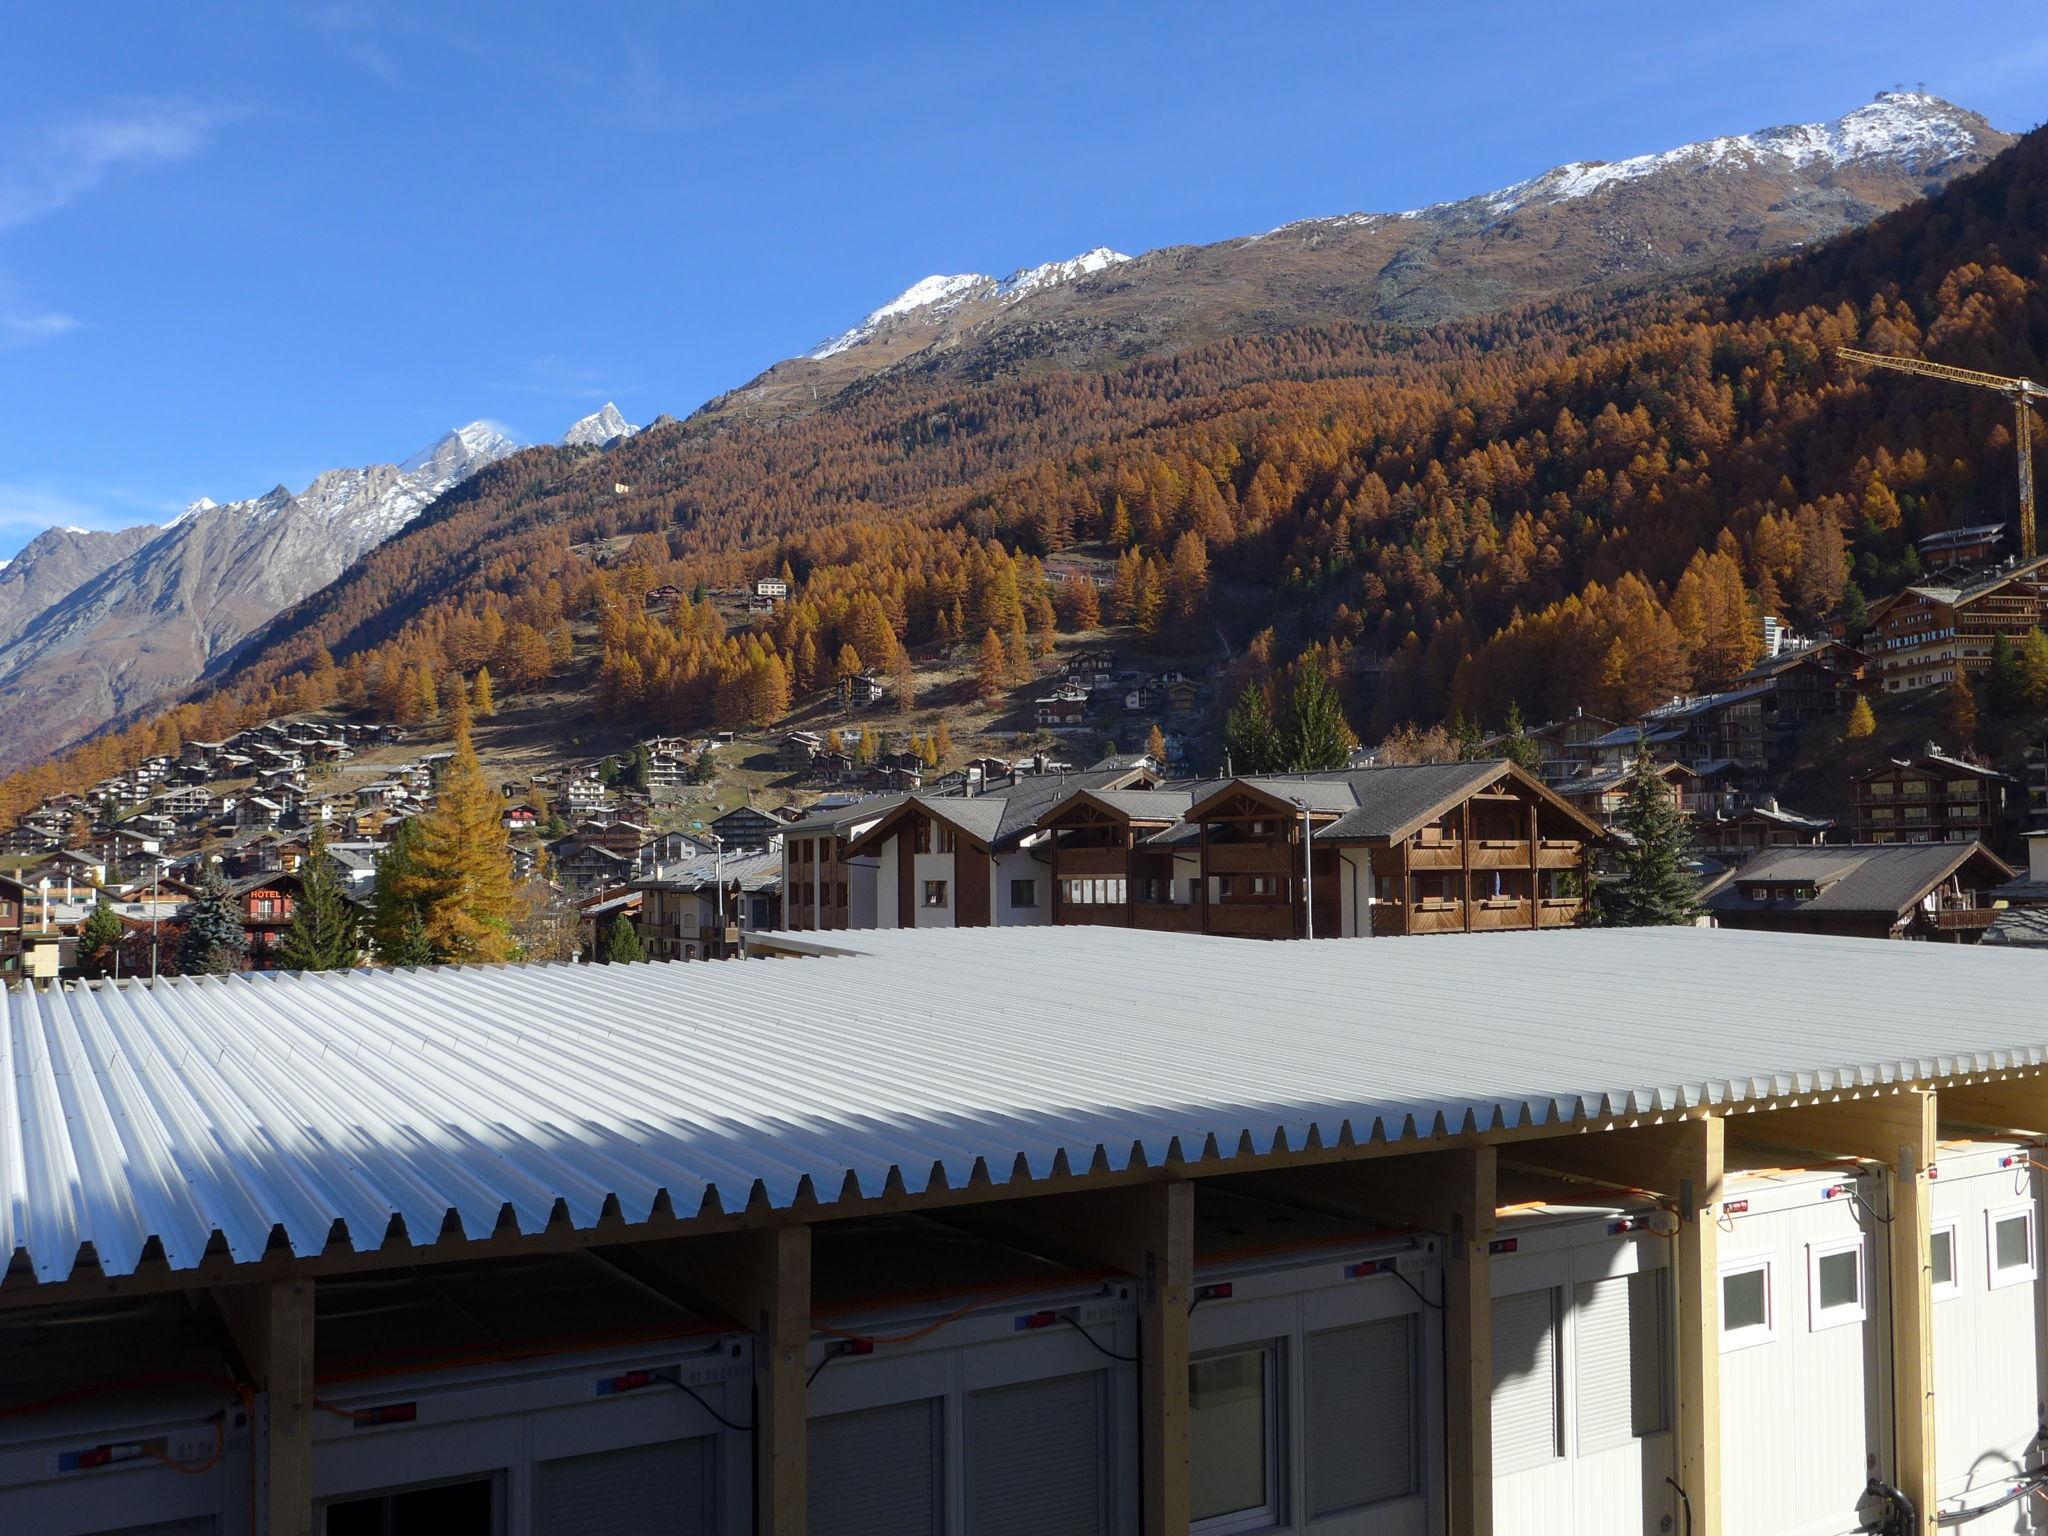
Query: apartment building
point(1927, 635)
point(1930, 798)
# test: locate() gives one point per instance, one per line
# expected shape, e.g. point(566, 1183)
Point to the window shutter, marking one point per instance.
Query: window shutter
point(1619, 1343)
point(1035, 1459)
point(648, 1490)
point(1525, 1417)
point(876, 1472)
point(1361, 1415)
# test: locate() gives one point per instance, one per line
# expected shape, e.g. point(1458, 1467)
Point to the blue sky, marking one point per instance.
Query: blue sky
point(243, 243)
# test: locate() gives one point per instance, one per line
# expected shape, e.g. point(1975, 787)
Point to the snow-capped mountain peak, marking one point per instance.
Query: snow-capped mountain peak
point(598, 428)
point(944, 293)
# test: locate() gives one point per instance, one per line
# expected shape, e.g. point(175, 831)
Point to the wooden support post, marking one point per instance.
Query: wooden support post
point(763, 1281)
point(1896, 1131)
point(1146, 1231)
point(272, 1326)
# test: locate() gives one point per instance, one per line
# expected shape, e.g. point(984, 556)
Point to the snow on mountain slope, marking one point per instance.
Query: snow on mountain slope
point(939, 294)
point(118, 622)
point(599, 428)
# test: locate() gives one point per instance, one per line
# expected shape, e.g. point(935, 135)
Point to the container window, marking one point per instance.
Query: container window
point(1361, 1410)
point(1835, 1283)
point(1943, 1280)
point(459, 1509)
point(2011, 1245)
point(1233, 1455)
point(1035, 1458)
point(1622, 1338)
point(1526, 1420)
point(663, 1488)
point(1746, 1314)
point(877, 1472)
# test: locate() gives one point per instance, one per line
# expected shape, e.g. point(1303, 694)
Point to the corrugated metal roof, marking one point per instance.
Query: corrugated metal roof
point(242, 1104)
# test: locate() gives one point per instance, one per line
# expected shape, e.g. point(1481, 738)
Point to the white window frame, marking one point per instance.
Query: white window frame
point(1274, 1511)
point(1996, 1278)
point(1954, 1286)
point(1841, 1314)
point(1751, 1335)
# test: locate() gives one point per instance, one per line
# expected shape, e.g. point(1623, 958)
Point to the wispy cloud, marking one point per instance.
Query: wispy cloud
point(27, 507)
point(556, 378)
point(25, 327)
point(351, 31)
point(43, 170)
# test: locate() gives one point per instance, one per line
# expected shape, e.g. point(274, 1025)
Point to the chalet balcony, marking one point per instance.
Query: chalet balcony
point(1083, 914)
point(1247, 859)
point(1557, 853)
point(1075, 862)
point(1167, 916)
point(1961, 919)
point(1436, 856)
point(1437, 917)
point(1496, 913)
point(1500, 853)
point(1252, 920)
point(1559, 911)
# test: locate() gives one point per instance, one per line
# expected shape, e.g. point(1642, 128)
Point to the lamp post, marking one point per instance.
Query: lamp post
point(1308, 874)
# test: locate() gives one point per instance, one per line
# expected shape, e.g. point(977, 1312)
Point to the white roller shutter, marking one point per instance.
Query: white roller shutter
point(1525, 1416)
point(1361, 1415)
point(198, 1525)
point(647, 1490)
point(876, 1472)
point(1035, 1459)
point(1618, 1374)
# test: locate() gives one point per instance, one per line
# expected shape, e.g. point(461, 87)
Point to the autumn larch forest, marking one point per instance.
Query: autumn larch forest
point(1578, 504)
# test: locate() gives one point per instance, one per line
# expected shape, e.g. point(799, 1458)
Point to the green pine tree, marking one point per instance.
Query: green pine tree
point(622, 943)
point(1650, 885)
point(97, 937)
point(1467, 735)
point(1249, 734)
point(214, 939)
point(1519, 747)
point(1315, 736)
point(397, 929)
point(326, 932)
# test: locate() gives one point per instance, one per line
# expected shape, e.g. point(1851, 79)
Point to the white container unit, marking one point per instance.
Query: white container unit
point(1986, 1285)
point(92, 1468)
point(595, 1441)
point(1805, 1349)
point(1583, 1354)
point(1316, 1392)
point(1006, 1421)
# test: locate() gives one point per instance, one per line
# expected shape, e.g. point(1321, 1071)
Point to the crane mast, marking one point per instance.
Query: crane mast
point(2022, 392)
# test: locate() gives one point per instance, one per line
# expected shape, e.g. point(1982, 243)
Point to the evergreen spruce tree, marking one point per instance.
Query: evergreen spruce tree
point(1249, 734)
point(214, 941)
point(462, 876)
point(97, 937)
point(1650, 886)
point(1519, 747)
point(397, 931)
point(326, 932)
point(2005, 685)
point(1466, 734)
point(622, 944)
point(1316, 735)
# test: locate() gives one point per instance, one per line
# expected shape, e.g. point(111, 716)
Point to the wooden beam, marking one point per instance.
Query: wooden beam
point(272, 1326)
point(1896, 1130)
point(2014, 1104)
point(763, 1281)
point(1695, 1165)
point(1469, 1181)
point(1147, 1232)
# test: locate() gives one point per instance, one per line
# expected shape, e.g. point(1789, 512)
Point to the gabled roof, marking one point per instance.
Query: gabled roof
point(1161, 805)
point(998, 815)
point(1369, 805)
point(1867, 879)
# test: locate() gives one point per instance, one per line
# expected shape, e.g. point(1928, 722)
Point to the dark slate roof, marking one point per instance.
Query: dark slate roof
point(1371, 803)
point(2023, 926)
point(1859, 878)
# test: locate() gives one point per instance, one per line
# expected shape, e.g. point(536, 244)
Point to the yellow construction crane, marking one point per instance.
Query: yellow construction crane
point(2022, 393)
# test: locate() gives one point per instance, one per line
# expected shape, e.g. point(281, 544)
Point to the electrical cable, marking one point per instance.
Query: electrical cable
point(194, 1469)
point(2033, 1485)
point(1436, 1306)
point(837, 1351)
point(1100, 1347)
point(1685, 1499)
point(682, 1386)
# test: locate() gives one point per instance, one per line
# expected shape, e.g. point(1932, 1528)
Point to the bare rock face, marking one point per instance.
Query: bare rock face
point(1648, 219)
point(97, 627)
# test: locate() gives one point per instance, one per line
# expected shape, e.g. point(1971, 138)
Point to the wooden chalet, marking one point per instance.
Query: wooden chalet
point(1930, 798)
point(1424, 848)
point(1939, 891)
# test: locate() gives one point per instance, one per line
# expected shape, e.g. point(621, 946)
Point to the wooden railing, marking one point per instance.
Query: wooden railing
point(1249, 859)
point(1251, 920)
